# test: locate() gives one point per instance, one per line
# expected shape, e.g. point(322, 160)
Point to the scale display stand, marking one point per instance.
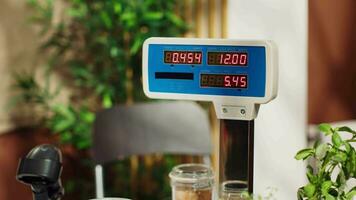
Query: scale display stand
point(236, 76)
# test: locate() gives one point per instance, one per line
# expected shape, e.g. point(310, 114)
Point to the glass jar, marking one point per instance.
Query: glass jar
point(192, 182)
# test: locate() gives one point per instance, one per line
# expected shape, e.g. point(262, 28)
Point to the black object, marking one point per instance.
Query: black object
point(174, 75)
point(41, 169)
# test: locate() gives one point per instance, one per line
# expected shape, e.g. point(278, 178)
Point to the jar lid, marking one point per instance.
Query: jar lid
point(191, 173)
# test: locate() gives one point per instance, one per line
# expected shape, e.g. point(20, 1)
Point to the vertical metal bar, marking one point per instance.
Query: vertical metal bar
point(251, 152)
point(99, 181)
point(236, 156)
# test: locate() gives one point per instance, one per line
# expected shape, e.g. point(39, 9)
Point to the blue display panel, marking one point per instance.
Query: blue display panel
point(207, 69)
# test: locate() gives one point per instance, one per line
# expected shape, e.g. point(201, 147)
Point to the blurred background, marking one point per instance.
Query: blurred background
point(64, 61)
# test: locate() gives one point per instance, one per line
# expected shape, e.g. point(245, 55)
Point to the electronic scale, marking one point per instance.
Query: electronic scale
point(237, 76)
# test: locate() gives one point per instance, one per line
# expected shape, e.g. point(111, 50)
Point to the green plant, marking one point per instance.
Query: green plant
point(337, 158)
point(95, 50)
point(72, 122)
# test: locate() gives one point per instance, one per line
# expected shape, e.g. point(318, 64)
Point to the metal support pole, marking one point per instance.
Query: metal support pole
point(236, 157)
point(99, 181)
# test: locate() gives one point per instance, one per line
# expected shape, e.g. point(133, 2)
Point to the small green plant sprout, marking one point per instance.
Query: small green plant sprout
point(335, 166)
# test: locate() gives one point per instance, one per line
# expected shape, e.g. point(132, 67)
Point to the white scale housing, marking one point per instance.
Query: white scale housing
point(235, 105)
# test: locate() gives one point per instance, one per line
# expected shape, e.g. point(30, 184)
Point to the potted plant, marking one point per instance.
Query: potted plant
point(335, 165)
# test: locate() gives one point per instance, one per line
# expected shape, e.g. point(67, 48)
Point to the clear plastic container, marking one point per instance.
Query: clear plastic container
point(192, 182)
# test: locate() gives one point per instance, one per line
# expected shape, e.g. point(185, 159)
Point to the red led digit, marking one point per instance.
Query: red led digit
point(243, 81)
point(190, 58)
point(220, 80)
point(175, 57)
point(197, 58)
point(168, 57)
point(221, 60)
point(235, 80)
point(243, 59)
point(204, 80)
point(211, 58)
point(211, 80)
point(227, 59)
point(235, 59)
point(227, 82)
point(182, 57)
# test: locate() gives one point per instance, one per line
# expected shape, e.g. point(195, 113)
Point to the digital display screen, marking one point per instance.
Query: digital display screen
point(224, 80)
point(227, 58)
point(183, 57)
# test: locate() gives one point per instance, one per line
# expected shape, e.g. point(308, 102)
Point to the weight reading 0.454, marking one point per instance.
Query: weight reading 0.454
point(223, 80)
point(183, 57)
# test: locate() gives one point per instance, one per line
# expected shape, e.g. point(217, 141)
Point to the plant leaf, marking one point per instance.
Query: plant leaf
point(325, 128)
point(83, 144)
point(106, 19)
point(351, 194)
point(325, 187)
point(117, 7)
point(316, 144)
point(151, 16)
point(329, 197)
point(347, 147)
point(351, 165)
point(87, 117)
point(136, 45)
point(309, 190)
point(63, 110)
point(300, 194)
point(310, 175)
point(62, 125)
point(107, 102)
point(341, 180)
point(339, 157)
point(175, 19)
point(65, 137)
point(321, 150)
point(336, 139)
point(345, 129)
point(304, 154)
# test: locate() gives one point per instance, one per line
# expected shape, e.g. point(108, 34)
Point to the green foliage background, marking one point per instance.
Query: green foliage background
point(95, 49)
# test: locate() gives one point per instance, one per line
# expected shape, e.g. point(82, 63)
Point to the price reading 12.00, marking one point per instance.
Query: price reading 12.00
point(227, 58)
point(224, 80)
